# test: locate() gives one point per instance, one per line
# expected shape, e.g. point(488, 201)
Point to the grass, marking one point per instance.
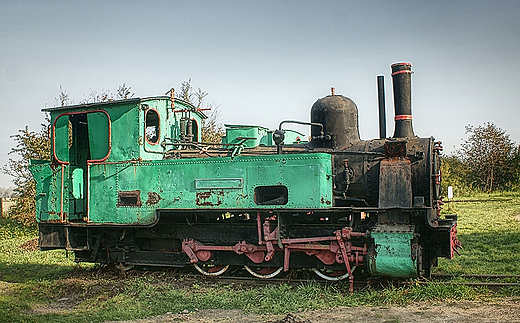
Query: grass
point(47, 286)
point(490, 236)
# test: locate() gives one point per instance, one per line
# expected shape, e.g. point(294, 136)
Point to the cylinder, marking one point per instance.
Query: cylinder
point(184, 124)
point(401, 79)
point(382, 110)
point(189, 126)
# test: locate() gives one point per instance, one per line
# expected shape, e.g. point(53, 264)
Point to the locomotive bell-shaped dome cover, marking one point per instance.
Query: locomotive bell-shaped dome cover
point(339, 116)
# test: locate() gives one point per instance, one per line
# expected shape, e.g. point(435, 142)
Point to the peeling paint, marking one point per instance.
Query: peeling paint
point(209, 198)
point(153, 198)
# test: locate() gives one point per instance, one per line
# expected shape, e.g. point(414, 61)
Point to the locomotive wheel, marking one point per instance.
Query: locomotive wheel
point(263, 272)
point(211, 270)
point(332, 275)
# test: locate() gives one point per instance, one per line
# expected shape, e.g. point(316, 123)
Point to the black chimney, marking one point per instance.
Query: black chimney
point(402, 77)
point(381, 101)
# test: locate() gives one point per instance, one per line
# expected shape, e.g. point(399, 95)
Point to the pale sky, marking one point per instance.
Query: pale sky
point(267, 61)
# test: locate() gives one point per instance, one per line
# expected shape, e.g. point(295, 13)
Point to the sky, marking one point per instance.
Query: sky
point(267, 61)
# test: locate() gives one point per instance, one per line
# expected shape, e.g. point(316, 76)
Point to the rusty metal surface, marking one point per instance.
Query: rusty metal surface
point(395, 183)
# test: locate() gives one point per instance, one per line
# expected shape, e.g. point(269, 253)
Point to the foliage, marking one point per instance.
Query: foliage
point(11, 229)
point(489, 154)
point(212, 130)
point(29, 145)
point(515, 165)
point(63, 98)
point(454, 173)
point(123, 92)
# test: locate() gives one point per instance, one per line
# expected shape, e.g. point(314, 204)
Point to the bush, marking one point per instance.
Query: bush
point(29, 145)
point(489, 155)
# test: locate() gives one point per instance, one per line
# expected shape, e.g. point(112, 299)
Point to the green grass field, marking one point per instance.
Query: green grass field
point(49, 287)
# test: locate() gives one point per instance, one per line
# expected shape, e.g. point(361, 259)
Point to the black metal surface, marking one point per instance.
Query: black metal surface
point(402, 78)
point(339, 117)
point(382, 108)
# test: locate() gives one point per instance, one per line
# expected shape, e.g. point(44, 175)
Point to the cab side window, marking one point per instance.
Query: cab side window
point(152, 128)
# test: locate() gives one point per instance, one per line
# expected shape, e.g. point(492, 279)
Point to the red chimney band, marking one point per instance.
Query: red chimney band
point(403, 117)
point(402, 71)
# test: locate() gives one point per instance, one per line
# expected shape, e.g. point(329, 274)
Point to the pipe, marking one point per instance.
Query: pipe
point(382, 109)
point(401, 78)
point(190, 130)
point(184, 124)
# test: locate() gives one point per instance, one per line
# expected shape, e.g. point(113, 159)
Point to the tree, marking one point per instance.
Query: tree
point(29, 145)
point(212, 130)
point(123, 92)
point(454, 173)
point(515, 166)
point(488, 153)
point(63, 98)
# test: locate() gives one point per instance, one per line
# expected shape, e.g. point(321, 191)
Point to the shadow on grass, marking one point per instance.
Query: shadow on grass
point(22, 273)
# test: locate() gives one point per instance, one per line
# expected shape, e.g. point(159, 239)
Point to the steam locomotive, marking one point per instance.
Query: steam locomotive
point(130, 182)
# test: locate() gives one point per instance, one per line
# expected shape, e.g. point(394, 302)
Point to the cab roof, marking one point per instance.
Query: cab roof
point(114, 102)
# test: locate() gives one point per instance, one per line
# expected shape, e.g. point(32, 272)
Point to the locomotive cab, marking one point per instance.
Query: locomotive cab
point(109, 133)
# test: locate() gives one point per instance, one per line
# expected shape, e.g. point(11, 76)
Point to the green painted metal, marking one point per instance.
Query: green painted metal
point(98, 132)
point(62, 138)
point(236, 134)
point(126, 140)
point(393, 254)
point(77, 183)
point(126, 124)
point(132, 181)
point(293, 136)
point(206, 183)
point(50, 192)
point(150, 151)
point(216, 183)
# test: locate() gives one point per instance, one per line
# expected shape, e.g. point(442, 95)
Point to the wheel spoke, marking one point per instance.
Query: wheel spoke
point(263, 272)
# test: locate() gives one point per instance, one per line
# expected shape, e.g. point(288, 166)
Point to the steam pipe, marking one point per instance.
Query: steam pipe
point(382, 109)
point(402, 78)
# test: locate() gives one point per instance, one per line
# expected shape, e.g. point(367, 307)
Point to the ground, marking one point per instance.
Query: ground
point(506, 310)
